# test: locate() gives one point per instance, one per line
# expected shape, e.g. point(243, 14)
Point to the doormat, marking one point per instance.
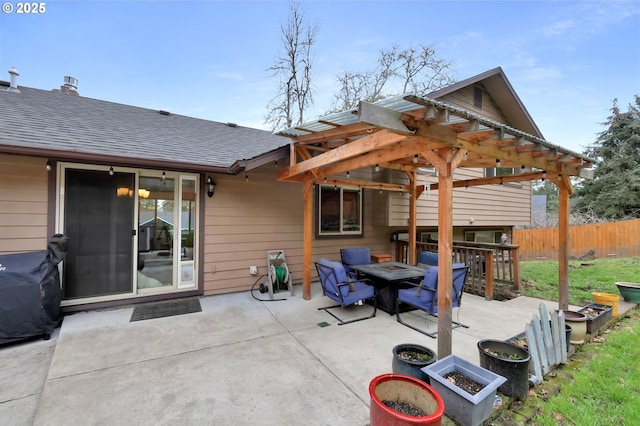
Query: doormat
point(165, 309)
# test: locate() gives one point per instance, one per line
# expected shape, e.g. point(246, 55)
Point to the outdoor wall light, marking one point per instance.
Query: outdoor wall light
point(211, 186)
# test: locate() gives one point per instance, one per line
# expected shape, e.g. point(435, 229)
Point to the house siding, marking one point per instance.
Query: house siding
point(245, 219)
point(23, 204)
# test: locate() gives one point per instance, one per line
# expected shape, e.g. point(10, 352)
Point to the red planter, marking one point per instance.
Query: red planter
point(400, 387)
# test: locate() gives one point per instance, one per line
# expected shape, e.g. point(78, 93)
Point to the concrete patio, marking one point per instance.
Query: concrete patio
point(239, 361)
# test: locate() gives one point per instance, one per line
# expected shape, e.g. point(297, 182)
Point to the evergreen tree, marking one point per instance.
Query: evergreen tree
point(614, 193)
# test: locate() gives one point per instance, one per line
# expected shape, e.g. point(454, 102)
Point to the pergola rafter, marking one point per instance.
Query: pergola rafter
point(411, 132)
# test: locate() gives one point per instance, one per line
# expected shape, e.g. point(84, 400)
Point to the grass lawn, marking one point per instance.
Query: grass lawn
point(600, 385)
point(540, 278)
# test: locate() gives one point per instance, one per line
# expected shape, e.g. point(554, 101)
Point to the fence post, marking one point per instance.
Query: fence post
point(488, 275)
point(515, 263)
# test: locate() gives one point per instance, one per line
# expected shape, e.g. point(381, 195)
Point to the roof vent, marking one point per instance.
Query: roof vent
point(13, 84)
point(70, 83)
point(232, 125)
point(163, 112)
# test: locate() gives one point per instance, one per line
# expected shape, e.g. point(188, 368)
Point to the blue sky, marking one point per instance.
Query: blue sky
point(567, 60)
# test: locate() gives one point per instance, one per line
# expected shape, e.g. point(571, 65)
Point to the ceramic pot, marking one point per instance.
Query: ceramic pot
point(509, 361)
point(400, 387)
point(578, 323)
point(412, 368)
point(630, 291)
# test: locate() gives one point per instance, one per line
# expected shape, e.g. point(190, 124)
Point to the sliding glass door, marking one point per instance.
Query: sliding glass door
point(98, 219)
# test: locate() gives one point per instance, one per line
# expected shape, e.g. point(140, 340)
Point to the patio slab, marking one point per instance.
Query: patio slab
point(239, 361)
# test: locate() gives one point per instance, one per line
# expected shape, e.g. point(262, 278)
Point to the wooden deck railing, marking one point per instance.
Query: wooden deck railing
point(488, 263)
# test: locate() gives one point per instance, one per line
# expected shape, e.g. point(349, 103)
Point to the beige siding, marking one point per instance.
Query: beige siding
point(464, 99)
point(23, 204)
point(489, 205)
point(244, 220)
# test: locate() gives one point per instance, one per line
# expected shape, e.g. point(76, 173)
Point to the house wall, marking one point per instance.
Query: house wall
point(478, 206)
point(23, 204)
point(243, 220)
point(464, 99)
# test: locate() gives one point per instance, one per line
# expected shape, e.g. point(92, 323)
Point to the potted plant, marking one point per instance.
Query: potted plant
point(399, 399)
point(409, 359)
point(508, 360)
point(468, 390)
point(597, 316)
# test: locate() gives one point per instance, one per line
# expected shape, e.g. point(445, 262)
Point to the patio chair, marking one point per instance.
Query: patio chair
point(424, 296)
point(428, 258)
point(337, 287)
point(354, 256)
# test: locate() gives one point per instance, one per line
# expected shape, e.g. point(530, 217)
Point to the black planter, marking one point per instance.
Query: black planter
point(515, 370)
point(412, 368)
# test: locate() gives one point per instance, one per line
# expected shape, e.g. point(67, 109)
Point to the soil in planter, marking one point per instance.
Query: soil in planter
point(504, 355)
point(463, 382)
point(415, 356)
point(405, 408)
point(591, 313)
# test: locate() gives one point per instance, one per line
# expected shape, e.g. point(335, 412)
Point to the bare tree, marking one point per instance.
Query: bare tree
point(293, 70)
point(411, 70)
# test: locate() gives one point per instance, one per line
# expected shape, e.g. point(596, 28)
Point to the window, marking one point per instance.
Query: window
point(477, 97)
point(488, 236)
point(499, 171)
point(503, 171)
point(340, 211)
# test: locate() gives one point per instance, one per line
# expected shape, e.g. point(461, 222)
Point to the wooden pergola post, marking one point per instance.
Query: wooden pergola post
point(445, 259)
point(307, 196)
point(564, 189)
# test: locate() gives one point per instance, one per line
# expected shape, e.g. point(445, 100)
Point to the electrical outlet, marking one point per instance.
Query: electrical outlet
point(253, 270)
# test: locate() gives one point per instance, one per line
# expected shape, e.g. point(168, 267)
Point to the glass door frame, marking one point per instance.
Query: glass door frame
point(177, 284)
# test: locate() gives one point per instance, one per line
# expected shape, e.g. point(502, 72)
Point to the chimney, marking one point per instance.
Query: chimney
point(70, 86)
point(13, 84)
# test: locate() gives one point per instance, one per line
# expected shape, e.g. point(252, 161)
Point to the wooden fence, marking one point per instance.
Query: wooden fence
point(597, 241)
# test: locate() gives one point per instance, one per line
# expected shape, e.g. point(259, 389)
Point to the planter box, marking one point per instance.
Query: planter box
point(603, 314)
point(461, 406)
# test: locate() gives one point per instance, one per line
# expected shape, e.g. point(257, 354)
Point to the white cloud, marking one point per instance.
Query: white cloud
point(558, 28)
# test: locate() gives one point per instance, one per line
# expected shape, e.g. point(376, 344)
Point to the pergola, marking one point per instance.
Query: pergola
point(409, 132)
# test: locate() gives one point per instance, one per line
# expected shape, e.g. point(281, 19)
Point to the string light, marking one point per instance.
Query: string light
point(377, 169)
point(48, 166)
point(110, 171)
point(246, 177)
point(498, 162)
point(348, 175)
point(522, 167)
point(164, 175)
point(276, 164)
point(380, 189)
point(415, 158)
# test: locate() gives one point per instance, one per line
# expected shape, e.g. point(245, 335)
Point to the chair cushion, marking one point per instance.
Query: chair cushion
point(339, 274)
point(408, 295)
point(430, 281)
point(428, 258)
point(356, 256)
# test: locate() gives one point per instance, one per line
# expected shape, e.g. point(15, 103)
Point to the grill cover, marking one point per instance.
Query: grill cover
point(30, 292)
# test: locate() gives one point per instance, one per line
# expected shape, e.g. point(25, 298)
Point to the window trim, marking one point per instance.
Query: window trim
point(318, 213)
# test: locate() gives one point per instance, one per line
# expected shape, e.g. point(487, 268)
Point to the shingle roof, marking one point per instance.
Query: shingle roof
point(51, 121)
